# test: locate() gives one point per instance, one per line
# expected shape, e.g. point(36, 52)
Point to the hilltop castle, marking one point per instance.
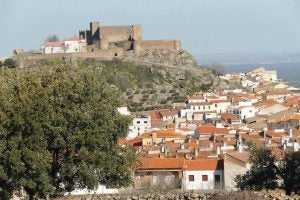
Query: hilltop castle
point(110, 41)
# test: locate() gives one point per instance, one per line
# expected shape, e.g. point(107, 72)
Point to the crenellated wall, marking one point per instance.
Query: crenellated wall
point(107, 37)
point(157, 44)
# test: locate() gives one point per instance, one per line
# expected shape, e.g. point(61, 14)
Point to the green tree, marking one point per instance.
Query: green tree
point(59, 129)
point(289, 171)
point(1, 63)
point(9, 63)
point(262, 174)
point(52, 38)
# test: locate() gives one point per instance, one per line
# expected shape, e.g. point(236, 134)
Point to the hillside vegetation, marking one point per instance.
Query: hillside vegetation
point(147, 87)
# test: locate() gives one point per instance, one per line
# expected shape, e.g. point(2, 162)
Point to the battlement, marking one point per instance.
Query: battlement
point(128, 37)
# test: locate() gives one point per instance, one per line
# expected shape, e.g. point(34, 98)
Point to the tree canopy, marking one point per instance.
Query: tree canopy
point(58, 130)
point(262, 174)
point(52, 38)
point(267, 169)
point(9, 63)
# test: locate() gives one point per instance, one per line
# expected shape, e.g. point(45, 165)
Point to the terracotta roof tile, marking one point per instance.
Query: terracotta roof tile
point(206, 164)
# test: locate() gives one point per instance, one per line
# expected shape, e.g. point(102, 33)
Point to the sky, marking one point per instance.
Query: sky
point(205, 27)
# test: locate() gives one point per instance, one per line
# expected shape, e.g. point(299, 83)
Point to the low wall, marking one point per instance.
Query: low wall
point(159, 44)
point(193, 195)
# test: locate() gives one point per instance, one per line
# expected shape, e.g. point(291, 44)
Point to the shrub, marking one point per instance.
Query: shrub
point(9, 63)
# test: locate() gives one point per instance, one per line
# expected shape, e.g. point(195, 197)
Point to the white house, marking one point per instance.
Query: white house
point(70, 45)
point(140, 125)
point(203, 174)
point(243, 112)
point(271, 109)
point(53, 47)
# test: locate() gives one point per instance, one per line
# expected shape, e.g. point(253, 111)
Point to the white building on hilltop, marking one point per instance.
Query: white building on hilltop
point(70, 45)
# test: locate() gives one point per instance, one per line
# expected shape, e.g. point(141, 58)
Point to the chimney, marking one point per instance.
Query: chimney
point(166, 152)
point(154, 137)
point(162, 149)
point(197, 141)
point(181, 145)
point(211, 145)
point(224, 147)
point(196, 151)
point(218, 150)
point(240, 148)
point(290, 132)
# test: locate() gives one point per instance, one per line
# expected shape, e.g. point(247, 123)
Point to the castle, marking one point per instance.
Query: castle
point(110, 41)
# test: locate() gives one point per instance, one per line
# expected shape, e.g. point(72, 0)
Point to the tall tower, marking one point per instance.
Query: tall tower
point(95, 32)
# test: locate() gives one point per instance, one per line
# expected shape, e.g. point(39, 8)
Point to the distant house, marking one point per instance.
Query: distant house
point(140, 125)
point(70, 45)
point(203, 174)
point(159, 173)
point(235, 164)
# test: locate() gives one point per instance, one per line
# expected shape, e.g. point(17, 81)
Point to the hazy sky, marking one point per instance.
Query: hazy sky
point(203, 26)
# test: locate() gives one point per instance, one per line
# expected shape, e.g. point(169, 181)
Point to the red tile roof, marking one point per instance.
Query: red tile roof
point(161, 163)
point(271, 133)
point(204, 164)
point(180, 163)
point(208, 129)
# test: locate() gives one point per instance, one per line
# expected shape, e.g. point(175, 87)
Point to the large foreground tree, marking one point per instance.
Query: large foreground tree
point(58, 130)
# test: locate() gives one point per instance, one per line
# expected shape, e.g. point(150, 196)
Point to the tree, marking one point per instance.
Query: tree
point(289, 171)
point(52, 38)
point(1, 63)
point(262, 174)
point(9, 63)
point(267, 169)
point(58, 130)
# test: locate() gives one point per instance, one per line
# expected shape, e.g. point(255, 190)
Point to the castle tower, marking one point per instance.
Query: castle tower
point(95, 32)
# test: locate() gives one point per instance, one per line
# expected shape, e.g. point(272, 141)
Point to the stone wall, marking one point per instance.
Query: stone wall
point(192, 195)
point(158, 44)
point(105, 55)
point(120, 33)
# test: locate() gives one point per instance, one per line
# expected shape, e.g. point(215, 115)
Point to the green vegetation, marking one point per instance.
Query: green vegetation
point(59, 129)
point(266, 170)
point(1, 63)
point(10, 63)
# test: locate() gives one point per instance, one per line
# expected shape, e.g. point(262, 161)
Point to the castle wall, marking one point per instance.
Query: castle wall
point(159, 44)
point(108, 54)
point(120, 33)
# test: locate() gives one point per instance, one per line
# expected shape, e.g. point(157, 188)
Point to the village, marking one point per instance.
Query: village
point(203, 143)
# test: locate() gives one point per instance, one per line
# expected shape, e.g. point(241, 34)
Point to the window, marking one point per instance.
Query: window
point(204, 178)
point(145, 122)
point(216, 105)
point(138, 122)
point(191, 178)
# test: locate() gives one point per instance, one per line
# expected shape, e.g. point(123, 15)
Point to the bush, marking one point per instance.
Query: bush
point(0, 63)
point(9, 63)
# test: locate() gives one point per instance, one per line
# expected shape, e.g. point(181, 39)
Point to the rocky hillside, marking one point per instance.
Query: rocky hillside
point(150, 80)
point(175, 58)
point(147, 87)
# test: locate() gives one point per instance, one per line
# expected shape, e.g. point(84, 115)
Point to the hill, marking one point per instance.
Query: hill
point(151, 79)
